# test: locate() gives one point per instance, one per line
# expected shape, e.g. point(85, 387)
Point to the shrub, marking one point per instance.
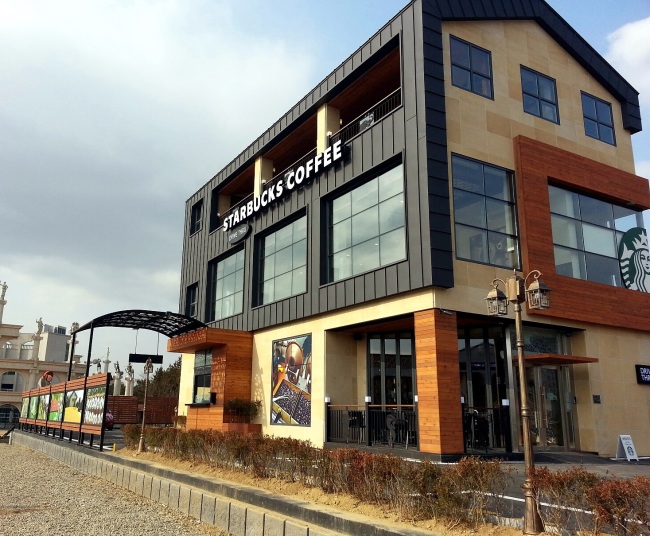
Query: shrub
point(458, 493)
point(564, 494)
point(622, 504)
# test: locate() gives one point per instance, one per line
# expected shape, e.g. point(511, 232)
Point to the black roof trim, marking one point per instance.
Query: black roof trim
point(164, 322)
point(465, 10)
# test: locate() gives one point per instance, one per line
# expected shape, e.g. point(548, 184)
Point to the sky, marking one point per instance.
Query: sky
point(114, 112)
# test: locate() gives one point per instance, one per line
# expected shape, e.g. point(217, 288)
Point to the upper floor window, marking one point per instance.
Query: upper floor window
point(225, 287)
point(191, 300)
point(597, 114)
point(11, 381)
point(196, 216)
point(539, 95)
point(471, 67)
point(367, 226)
point(283, 262)
point(484, 213)
point(586, 235)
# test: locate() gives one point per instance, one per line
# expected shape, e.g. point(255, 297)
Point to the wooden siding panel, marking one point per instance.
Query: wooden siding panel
point(537, 164)
point(438, 373)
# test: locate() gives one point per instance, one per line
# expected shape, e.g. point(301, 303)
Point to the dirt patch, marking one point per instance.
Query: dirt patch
point(314, 495)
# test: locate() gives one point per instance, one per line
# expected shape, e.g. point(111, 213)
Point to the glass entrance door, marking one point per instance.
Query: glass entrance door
point(551, 407)
point(550, 401)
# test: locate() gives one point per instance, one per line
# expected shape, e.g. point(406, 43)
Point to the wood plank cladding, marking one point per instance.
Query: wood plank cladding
point(537, 165)
point(231, 375)
point(439, 411)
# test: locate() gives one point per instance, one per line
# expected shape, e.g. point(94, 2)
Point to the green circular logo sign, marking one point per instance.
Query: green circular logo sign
point(634, 259)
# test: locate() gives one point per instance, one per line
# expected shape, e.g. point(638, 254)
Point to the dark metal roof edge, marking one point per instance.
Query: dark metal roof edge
point(478, 10)
point(149, 320)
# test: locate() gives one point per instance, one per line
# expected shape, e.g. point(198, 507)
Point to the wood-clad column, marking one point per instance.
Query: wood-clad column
point(438, 380)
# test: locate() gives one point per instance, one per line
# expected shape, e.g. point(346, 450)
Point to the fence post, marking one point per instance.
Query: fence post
point(328, 400)
point(368, 422)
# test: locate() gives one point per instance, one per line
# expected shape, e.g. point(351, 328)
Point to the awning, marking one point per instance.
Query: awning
point(163, 322)
point(558, 359)
point(202, 339)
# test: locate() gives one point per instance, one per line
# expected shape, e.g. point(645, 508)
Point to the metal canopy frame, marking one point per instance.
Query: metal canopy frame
point(164, 322)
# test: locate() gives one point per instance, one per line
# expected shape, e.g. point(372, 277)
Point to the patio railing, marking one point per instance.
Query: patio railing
point(372, 425)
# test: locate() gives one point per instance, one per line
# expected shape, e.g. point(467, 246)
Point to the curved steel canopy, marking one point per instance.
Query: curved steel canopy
point(167, 323)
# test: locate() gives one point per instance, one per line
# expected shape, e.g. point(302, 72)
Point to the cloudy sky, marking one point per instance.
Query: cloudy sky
point(112, 113)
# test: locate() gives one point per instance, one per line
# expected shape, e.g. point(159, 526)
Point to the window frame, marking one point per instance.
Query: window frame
point(260, 259)
point(192, 300)
point(470, 69)
point(583, 255)
point(196, 217)
point(212, 285)
point(537, 96)
point(327, 227)
point(583, 96)
point(512, 204)
point(202, 372)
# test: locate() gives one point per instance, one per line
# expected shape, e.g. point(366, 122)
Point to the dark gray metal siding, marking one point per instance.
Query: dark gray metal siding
point(416, 131)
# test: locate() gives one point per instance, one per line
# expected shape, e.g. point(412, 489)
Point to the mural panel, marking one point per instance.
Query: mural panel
point(291, 381)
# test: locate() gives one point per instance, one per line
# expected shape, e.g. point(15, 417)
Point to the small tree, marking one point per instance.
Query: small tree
point(163, 383)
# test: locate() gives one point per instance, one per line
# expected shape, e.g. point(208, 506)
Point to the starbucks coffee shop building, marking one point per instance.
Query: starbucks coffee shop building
point(342, 260)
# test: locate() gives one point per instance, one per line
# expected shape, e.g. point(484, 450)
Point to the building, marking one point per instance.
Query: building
point(342, 260)
point(24, 357)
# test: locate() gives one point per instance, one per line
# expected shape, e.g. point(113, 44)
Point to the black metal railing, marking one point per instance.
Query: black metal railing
point(372, 425)
point(486, 428)
point(369, 117)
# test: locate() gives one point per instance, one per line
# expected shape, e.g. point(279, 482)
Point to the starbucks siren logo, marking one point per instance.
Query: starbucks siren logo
point(634, 259)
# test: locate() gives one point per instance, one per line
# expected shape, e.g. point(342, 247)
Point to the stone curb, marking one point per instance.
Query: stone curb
point(240, 510)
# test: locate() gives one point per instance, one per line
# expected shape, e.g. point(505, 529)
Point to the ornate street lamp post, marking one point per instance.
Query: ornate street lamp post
point(148, 369)
point(537, 295)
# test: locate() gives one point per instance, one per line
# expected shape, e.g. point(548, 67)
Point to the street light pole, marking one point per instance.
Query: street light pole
point(148, 368)
point(537, 294)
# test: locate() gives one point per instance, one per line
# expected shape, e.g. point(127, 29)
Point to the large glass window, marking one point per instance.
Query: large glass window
point(391, 364)
point(599, 123)
point(471, 67)
point(539, 95)
point(283, 266)
point(202, 372)
point(586, 235)
point(484, 213)
point(225, 287)
point(367, 226)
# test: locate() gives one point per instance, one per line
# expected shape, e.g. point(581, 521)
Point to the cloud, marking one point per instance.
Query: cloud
point(630, 54)
point(112, 114)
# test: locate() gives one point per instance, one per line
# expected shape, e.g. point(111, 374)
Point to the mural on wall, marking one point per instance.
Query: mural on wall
point(291, 381)
point(33, 406)
point(634, 259)
point(56, 407)
point(95, 402)
point(73, 403)
point(43, 404)
point(25, 407)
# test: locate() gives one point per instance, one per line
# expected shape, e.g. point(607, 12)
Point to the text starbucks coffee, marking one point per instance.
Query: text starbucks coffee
point(292, 180)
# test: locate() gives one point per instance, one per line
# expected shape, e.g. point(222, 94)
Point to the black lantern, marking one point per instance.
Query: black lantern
point(497, 301)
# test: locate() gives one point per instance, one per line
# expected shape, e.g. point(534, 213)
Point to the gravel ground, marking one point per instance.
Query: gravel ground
point(39, 495)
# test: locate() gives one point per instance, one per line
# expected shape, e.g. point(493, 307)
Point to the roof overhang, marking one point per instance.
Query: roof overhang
point(201, 339)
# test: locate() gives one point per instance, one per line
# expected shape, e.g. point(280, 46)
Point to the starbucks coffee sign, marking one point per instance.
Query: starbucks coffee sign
point(634, 260)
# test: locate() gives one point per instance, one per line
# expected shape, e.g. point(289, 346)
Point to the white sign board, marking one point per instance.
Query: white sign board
point(626, 448)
